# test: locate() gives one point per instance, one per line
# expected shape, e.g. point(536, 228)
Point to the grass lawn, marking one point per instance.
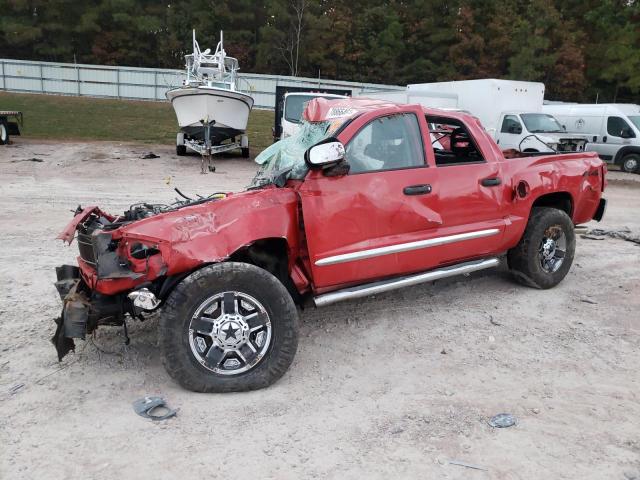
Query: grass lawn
point(84, 118)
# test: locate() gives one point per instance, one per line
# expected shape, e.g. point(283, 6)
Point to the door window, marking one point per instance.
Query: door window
point(386, 143)
point(617, 127)
point(511, 124)
point(452, 143)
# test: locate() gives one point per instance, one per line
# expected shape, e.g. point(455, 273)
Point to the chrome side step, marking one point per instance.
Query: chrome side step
point(400, 282)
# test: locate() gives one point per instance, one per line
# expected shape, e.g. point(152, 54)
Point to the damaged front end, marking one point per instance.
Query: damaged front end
point(116, 276)
point(129, 264)
point(84, 310)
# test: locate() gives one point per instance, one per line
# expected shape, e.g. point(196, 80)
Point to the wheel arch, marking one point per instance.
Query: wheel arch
point(560, 200)
point(624, 151)
point(272, 255)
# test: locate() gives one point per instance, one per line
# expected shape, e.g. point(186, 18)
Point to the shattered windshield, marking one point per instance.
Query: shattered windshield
point(284, 160)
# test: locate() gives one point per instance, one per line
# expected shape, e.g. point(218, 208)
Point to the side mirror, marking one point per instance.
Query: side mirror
point(330, 152)
point(564, 128)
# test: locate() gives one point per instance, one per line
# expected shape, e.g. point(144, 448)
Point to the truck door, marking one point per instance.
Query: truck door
point(365, 225)
point(386, 217)
point(471, 191)
point(510, 133)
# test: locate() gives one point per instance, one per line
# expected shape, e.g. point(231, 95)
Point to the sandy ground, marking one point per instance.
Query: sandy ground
point(391, 387)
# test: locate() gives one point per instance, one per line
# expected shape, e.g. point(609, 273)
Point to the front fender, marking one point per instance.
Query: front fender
point(211, 232)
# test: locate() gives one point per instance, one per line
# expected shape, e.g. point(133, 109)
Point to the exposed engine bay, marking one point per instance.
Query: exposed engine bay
point(572, 144)
point(105, 256)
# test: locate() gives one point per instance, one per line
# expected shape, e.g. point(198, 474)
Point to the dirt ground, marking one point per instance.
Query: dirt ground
point(394, 386)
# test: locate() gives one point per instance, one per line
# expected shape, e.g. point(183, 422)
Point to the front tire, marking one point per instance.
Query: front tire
point(630, 163)
point(228, 327)
point(545, 252)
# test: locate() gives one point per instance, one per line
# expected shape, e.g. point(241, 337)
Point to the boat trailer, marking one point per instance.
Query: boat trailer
point(206, 150)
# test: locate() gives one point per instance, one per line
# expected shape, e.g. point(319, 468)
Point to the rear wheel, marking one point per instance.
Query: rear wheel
point(228, 327)
point(245, 152)
point(4, 133)
point(181, 150)
point(631, 163)
point(546, 250)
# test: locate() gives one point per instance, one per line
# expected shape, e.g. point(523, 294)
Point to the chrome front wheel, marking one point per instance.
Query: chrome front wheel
point(230, 333)
point(228, 327)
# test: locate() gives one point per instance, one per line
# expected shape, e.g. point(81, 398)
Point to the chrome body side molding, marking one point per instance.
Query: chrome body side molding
point(405, 247)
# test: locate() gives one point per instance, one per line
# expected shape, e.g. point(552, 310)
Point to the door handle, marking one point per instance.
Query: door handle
point(604, 139)
point(491, 182)
point(417, 189)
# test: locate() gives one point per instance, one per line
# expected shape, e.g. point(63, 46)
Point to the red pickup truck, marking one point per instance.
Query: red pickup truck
point(368, 197)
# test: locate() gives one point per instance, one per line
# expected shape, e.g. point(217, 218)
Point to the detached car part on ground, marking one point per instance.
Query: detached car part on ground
point(361, 201)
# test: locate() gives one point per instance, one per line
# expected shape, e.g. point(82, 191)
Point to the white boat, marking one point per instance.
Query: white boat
point(210, 97)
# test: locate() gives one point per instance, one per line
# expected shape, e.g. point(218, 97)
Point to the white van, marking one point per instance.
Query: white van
point(510, 111)
point(613, 129)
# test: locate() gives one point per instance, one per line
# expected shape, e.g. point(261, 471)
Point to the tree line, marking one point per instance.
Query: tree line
point(583, 50)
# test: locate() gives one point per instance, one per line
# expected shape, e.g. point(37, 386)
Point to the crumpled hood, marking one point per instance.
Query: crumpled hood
point(212, 231)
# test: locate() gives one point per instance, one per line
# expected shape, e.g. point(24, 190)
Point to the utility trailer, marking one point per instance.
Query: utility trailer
point(10, 123)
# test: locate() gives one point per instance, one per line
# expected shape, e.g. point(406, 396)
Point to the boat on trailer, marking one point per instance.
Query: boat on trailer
point(212, 113)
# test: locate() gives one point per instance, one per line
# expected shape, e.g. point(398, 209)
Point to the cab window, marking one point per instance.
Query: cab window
point(618, 127)
point(452, 143)
point(511, 124)
point(387, 143)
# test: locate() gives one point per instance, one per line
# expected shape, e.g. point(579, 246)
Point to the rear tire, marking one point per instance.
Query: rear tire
point(545, 252)
point(630, 163)
point(245, 152)
point(181, 150)
point(4, 133)
point(210, 327)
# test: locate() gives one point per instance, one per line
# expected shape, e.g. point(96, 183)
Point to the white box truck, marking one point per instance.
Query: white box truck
point(427, 99)
point(510, 111)
point(613, 129)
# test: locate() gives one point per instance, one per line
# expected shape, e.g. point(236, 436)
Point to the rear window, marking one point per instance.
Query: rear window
point(452, 142)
